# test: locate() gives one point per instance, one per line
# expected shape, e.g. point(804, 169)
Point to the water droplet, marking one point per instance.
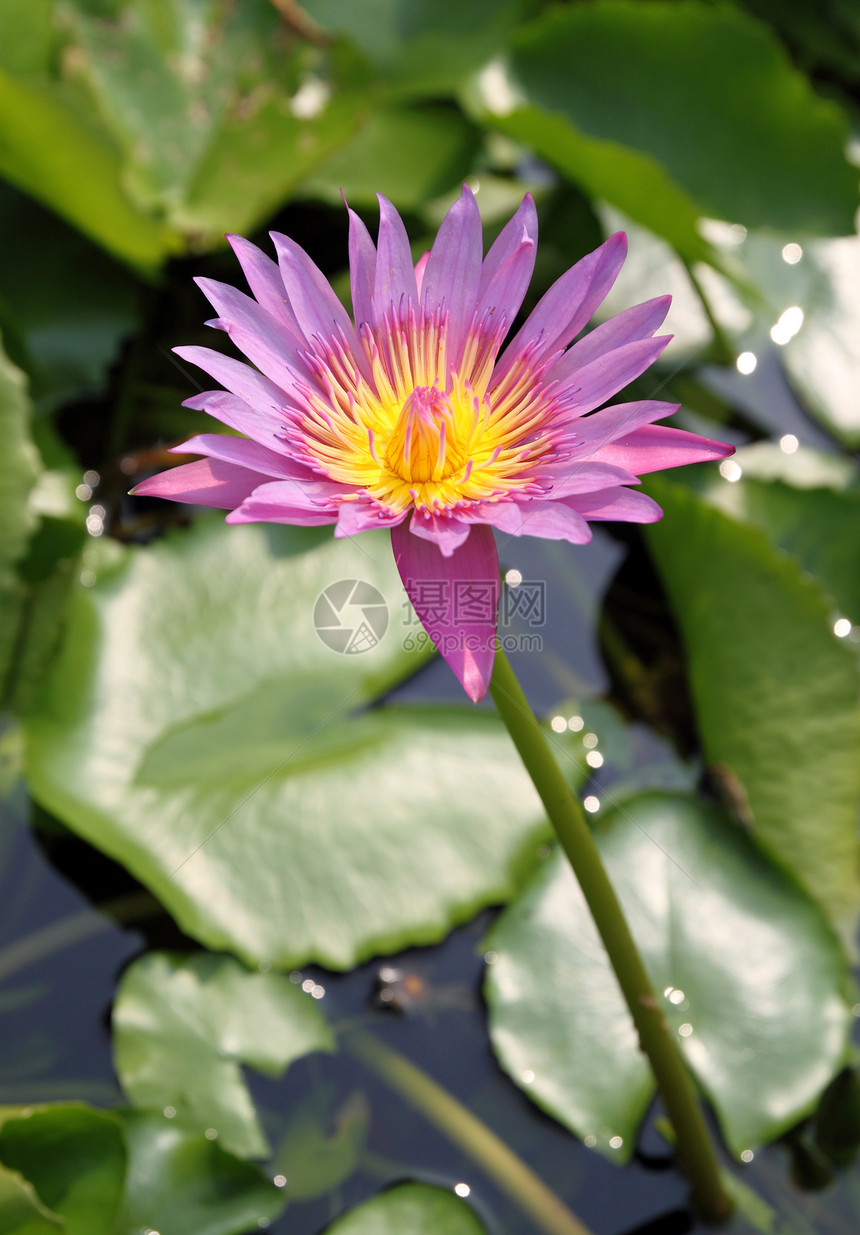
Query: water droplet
point(594, 759)
point(730, 470)
point(792, 253)
point(615, 1142)
point(527, 1077)
point(747, 1155)
point(280, 1181)
point(788, 443)
point(558, 724)
point(462, 1189)
point(788, 325)
point(841, 628)
point(746, 363)
point(591, 804)
point(685, 1030)
point(513, 578)
point(575, 723)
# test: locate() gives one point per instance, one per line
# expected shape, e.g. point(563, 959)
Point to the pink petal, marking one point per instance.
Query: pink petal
point(569, 304)
point(267, 428)
point(640, 322)
point(600, 428)
point(625, 505)
point(362, 269)
point(240, 379)
point(508, 267)
point(588, 476)
point(364, 516)
point(286, 501)
point(318, 311)
point(208, 482)
point(243, 453)
point(550, 520)
point(420, 267)
point(456, 599)
point(453, 270)
point(659, 446)
point(446, 532)
point(587, 388)
point(395, 274)
point(265, 282)
point(264, 340)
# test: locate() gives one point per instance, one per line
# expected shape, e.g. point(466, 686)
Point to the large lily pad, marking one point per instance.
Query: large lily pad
point(183, 1026)
point(410, 1209)
point(196, 728)
point(698, 89)
point(775, 691)
point(749, 975)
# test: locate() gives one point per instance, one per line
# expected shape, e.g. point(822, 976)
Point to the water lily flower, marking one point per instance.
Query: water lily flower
point(409, 418)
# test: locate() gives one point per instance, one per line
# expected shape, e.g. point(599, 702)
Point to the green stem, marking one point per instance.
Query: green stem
point(695, 1148)
point(464, 1129)
point(74, 929)
point(722, 342)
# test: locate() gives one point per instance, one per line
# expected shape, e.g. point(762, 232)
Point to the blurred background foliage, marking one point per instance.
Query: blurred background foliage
point(166, 699)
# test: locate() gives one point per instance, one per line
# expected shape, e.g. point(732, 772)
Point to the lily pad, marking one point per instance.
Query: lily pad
point(820, 527)
point(698, 89)
point(410, 1209)
point(748, 972)
point(183, 1026)
point(74, 1157)
point(197, 728)
point(205, 104)
point(775, 691)
point(19, 467)
point(21, 1209)
point(57, 155)
point(180, 1183)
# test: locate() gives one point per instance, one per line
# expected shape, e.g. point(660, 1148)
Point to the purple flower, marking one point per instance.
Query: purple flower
point(409, 418)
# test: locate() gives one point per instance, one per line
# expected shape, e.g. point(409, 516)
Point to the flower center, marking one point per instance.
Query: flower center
point(423, 444)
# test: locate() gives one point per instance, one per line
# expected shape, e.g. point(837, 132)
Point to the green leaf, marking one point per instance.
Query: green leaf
point(71, 305)
point(410, 155)
point(197, 729)
point(751, 977)
point(696, 103)
point(26, 35)
point(19, 467)
point(21, 1210)
point(52, 151)
point(179, 1183)
point(182, 1027)
point(321, 1147)
point(820, 527)
point(410, 1209)
point(775, 691)
point(75, 1159)
point(632, 181)
point(422, 47)
point(205, 102)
